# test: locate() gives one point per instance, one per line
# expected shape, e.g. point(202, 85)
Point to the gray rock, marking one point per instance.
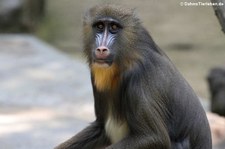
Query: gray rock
point(45, 96)
point(20, 15)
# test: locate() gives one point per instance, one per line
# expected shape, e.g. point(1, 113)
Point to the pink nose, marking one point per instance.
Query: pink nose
point(102, 49)
point(102, 52)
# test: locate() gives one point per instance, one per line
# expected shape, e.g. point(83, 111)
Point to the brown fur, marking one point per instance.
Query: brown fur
point(105, 78)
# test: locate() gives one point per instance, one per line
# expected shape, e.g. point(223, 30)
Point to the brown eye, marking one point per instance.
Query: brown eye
point(100, 26)
point(114, 27)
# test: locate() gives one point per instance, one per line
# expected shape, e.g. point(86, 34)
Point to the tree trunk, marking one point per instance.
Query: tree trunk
point(220, 12)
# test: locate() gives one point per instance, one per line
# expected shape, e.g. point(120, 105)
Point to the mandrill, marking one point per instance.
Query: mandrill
point(141, 100)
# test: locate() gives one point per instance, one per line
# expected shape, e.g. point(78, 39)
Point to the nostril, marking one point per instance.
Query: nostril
point(102, 49)
point(99, 50)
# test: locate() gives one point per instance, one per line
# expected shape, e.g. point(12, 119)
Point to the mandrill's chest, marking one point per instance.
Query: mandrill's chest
point(107, 80)
point(116, 129)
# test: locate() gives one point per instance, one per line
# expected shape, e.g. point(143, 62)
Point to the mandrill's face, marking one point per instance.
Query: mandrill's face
point(110, 34)
point(105, 31)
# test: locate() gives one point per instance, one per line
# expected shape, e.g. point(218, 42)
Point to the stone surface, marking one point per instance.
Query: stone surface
point(45, 96)
point(217, 124)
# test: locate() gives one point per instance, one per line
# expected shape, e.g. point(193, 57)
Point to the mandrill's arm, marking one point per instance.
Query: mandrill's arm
point(146, 125)
point(92, 137)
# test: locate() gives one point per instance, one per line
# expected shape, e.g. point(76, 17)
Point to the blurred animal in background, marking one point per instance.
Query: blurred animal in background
point(20, 15)
point(216, 81)
point(141, 100)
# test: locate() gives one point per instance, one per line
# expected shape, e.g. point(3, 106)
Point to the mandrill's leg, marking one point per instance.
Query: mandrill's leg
point(92, 137)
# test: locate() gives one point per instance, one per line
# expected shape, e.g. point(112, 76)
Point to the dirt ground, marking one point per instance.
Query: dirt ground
point(190, 35)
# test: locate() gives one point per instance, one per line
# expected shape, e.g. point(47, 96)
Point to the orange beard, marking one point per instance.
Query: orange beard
point(105, 78)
